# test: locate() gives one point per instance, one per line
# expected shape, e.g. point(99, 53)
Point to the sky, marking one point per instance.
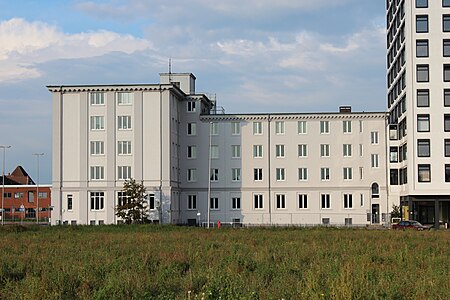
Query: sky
point(255, 55)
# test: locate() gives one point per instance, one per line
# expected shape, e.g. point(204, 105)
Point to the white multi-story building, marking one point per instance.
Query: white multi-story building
point(301, 169)
point(418, 61)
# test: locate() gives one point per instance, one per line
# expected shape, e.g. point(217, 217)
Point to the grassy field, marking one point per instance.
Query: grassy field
point(152, 262)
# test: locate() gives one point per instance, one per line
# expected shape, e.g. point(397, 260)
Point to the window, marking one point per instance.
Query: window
point(447, 123)
point(280, 172)
point(7, 195)
point(374, 137)
point(348, 201)
point(236, 174)
point(446, 73)
point(257, 128)
point(302, 201)
point(214, 203)
point(124, 147)
point(192, 152)
point(214, 175)
point(279, 127)
point(325, 201)
point(423, 148)
point(421, 3)
point(18, 195)
point(236, 203)
point(375, 160)
point(302, 174)
point(361, 173)
point(97, 122)
point(192, 202)
point(447, 147)
point(123, 172)
point(191, 106)
point(445, 3)
point(97, 148)
point(423, 73)
point(42, 195)
point(192, 175)
point(393, 176)
point(192, 129)
point(235, 128)
point(151, 201)
point(447, 97)
point(302, 150)
point(347, 126)
point(279, 151)
point(214, 127)
point(446, 23)
point(324, 127)
point(214, 151)
point(125, 98)
point(423, 123)
point(324, 150)
point(422, 24)
point(361, 200)
point(124, 122)
point(422, 48)
point(281, 201)
point(236, 151)
point(123, 198)
point(393, 154)
point(258, 174)
point(347, 150)
point(97, 98)
point(360, 126)
point(348, 173)
point(325, 174)
point(97, 173)
point(446, 48)
point(258, 201)
point(375, 189)
point(257, 151)
point(423, 98)
point(301, 127)
point(447, 173)
point(97, 200)
point(69, 202)
point(424, 172)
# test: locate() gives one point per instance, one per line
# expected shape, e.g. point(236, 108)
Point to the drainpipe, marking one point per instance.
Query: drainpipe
point(60, 153)
point(161, 157)
point(270, 171)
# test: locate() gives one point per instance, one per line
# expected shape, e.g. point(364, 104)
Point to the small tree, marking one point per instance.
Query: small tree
point(396, 212)
point(133, 208)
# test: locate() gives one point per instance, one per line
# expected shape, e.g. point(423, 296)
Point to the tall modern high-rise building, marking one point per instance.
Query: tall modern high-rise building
point(418, 80)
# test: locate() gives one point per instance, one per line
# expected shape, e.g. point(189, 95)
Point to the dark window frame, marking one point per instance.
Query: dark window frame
point(422, 45)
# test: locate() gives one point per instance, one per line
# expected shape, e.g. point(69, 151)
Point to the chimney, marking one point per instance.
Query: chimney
point(345, 109)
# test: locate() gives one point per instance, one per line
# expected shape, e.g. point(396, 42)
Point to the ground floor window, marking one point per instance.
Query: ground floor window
point(97, 200)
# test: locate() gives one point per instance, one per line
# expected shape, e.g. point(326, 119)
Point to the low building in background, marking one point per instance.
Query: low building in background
point(20, 197)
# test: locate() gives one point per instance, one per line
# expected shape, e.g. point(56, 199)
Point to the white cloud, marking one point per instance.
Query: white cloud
point(24, 44)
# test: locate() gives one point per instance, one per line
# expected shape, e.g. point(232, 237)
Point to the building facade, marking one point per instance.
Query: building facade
point(20, 197)
point(418, 77)
point(262, 169)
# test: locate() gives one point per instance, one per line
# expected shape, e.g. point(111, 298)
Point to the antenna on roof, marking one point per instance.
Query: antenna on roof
point(170, 70)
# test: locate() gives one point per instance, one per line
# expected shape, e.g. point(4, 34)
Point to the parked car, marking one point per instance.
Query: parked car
point(410, 225)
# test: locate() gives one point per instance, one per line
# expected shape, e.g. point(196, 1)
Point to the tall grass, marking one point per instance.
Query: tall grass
point(153, 262)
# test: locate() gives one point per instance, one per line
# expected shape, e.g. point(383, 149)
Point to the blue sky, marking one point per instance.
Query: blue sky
point(256, 55)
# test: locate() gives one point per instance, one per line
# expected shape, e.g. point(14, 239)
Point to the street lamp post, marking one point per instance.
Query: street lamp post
point(4, 147)
point(37, 187)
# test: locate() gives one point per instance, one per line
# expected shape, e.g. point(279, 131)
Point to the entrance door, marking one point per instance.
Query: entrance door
point(375, 213)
